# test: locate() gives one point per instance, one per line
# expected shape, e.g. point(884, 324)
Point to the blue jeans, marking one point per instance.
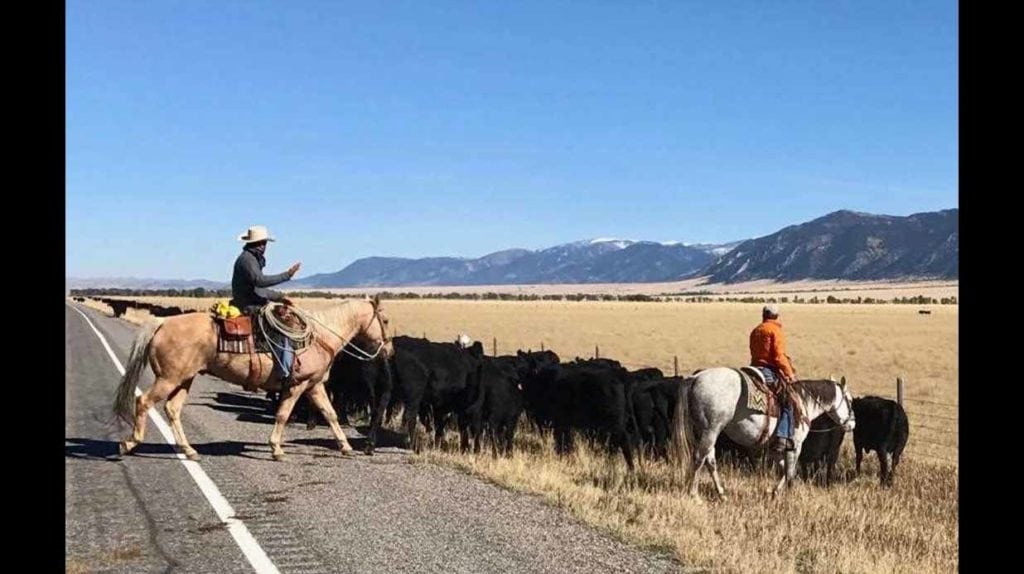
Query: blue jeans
point(286, 357)
point(785, 427)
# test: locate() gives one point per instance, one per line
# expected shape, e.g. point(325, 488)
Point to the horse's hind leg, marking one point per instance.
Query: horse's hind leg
point(318, 396)
point(161, 389)
point(175, 403)
point(705, 451)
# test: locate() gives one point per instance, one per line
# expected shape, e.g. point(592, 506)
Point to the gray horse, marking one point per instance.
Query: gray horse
point(715, 401)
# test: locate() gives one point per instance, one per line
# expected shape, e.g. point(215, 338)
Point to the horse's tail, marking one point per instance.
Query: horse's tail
point(124, 401)
point(682, 430)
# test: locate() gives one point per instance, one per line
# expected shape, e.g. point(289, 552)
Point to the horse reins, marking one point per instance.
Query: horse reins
point(360, 353)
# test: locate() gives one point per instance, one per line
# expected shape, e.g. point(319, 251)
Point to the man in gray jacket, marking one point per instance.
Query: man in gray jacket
point(249, 286)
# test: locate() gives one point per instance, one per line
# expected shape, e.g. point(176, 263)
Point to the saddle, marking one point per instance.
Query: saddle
point(237, 335)
point(763, 399)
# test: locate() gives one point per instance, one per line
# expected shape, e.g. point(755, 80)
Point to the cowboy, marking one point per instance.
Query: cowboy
point(249, 286)
point(768, 352)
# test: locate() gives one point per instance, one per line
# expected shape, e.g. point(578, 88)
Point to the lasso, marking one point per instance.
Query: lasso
point(304, 333)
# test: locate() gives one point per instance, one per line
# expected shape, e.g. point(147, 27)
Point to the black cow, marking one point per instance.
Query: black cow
point(587, 397)
point(355, 385)
point(499, 403)
point(411, 380)
point(452, 382)
point(882, 426)
point(648, 374)
point(729, 452)
point(158, 311)
point(119, 307)
point(821, 446)
point(654, 405)
point(537, 413)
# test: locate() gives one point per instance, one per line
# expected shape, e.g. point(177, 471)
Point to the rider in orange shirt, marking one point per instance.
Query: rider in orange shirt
point(768, 351)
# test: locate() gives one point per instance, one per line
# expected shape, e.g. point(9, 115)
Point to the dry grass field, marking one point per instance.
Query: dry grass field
point(808, 288)
point(853, 527)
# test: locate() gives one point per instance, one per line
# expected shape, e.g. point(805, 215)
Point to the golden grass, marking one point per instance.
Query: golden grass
point(852, 289)
point(855, 527)
point(852, 527)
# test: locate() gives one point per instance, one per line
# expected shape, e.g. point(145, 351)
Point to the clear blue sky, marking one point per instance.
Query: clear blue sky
point(459, 128)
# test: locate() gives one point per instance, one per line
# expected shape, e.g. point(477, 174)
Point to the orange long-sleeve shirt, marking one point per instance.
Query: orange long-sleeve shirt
point(768, 347)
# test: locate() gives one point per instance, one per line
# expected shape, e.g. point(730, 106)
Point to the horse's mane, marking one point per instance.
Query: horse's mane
point(337, 317)
point(821, 390)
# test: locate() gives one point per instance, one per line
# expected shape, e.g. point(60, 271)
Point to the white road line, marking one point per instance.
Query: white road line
point(245, 540)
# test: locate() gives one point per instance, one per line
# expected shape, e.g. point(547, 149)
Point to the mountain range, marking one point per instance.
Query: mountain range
point(841, 245)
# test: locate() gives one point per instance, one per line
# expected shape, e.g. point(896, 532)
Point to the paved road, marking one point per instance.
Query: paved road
point(315, 512)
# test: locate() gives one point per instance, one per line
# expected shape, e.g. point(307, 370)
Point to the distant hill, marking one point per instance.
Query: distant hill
point(841, 245)
point(136, 283)
point(587, 261)
point(849, 245)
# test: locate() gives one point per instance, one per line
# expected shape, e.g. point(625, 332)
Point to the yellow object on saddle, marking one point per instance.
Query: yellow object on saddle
point(225, 310)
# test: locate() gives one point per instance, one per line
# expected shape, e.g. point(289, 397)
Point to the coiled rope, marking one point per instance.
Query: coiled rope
point(304, 333)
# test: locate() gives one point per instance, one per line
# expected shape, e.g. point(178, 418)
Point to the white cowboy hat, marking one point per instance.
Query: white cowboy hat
point(254, 234)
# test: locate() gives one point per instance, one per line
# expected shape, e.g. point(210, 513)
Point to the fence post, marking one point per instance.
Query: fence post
point(495, 347)
point(675, 365)
point(899, 390)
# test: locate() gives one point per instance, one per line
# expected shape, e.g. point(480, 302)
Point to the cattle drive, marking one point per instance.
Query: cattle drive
point(342, 361)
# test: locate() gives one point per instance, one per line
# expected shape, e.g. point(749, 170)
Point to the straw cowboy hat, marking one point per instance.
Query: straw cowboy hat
point(254, 234)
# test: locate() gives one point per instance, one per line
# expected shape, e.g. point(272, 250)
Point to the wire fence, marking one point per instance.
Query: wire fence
point(913, 415)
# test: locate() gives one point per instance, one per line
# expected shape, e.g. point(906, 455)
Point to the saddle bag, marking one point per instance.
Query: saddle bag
point(237, 327)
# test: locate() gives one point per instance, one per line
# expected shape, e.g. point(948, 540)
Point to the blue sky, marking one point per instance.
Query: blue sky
point(460, 128)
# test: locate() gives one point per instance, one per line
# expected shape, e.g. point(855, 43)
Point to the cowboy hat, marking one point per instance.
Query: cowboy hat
point(254, 234)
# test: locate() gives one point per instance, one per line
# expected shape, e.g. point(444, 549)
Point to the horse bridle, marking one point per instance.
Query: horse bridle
point(360, 353)
point(839, 424)
point(380, 321)
point(383, 340)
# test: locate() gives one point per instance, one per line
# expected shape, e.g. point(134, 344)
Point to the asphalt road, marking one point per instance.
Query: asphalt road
point(315, 512)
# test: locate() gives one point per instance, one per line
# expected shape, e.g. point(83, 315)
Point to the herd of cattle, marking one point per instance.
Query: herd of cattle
point(120, 306)
point(443, 384)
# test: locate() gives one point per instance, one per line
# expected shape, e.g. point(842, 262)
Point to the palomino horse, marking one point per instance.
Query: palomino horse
point(180, 347)
point(715, 401)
